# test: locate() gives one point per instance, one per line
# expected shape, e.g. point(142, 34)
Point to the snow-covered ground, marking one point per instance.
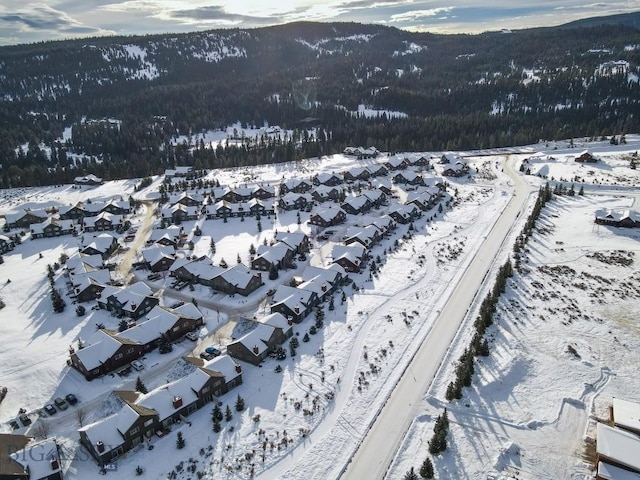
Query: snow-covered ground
point(530, 402)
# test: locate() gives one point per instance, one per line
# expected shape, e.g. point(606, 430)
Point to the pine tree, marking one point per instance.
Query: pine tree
point(227, 414)
point(180, 443)
point(411, 475)
point(216, 413)
point(123, 325)
point(273, 272)
point(216, 425)
point(212, 247)
point(239, 404)
point(426, 470)
point(140, 386)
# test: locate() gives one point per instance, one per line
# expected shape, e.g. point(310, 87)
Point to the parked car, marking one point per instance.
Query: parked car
point(14, 425)
point(24, 419)
point(137, 364)
point(207, 356)
point(193, 336)
point(61, 403)
point(50, 409)
point(71, 398)
point(213, 351)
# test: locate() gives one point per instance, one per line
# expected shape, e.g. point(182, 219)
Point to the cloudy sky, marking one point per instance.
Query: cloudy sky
point(25, 21)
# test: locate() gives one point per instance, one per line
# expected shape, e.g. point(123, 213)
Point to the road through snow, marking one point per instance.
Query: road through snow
point(378, 448)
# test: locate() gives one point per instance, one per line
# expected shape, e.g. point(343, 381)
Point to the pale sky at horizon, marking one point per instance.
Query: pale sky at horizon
point(27, 21)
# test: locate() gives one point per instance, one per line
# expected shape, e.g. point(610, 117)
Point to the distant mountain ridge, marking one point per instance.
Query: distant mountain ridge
point(448, 92)
point(626, 19)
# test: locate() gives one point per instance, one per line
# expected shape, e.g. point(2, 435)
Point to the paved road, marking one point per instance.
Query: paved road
point(378, 448)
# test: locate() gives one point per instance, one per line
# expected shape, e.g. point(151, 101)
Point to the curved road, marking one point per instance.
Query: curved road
point(377, 450)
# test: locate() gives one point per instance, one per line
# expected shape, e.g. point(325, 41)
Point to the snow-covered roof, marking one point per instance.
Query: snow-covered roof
point(225, 365)
point(329, 214)
point(618, 215)
point(36, 458)
point(293, 239)
point(63, 224)
point(161, 399)
point(273, 253)
point(356, 202)
point(101, 347)
point(610, 472)
point(188, 310)
point(353, 252)
point(292, 296)
point(102, 242)
point(110, 430)
point(275, 320)
point(257, 338)
point(238, 275)
point(626, 414)
point(618, 445)
point(154, 254)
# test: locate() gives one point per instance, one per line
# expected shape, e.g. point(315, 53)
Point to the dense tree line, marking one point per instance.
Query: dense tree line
point(457, 92)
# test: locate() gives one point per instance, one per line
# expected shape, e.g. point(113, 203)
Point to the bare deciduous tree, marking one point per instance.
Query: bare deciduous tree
point(42, 428)
point(81, 416)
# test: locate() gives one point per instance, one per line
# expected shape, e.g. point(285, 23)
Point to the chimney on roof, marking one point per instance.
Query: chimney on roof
point(54, 463)
point(324, 287)
point(296, 309)
point(238, 368)
point(100, 446)
point(177, 402)
point(255, 349)
point(134, 306)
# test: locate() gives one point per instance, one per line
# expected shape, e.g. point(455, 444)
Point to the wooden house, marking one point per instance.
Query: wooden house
point(350, 257)
point(328, 217)
point(618, 218)
point(158, 258)
point(586, 157)
point(278, 256)
point(103, 354)
point(88, 180)
point(293, 303)
point(132, 301)
point(103, 245)
point(295, 201)
point(25, 458)
point(356, 173)
point(6, 244)
point(255, 346)
point(356, 205)
point(25, 218)
point(328, 179)
point(52, 227)
point(296, 240)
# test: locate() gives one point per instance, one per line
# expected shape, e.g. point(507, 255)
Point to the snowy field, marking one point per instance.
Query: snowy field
point(531, 403)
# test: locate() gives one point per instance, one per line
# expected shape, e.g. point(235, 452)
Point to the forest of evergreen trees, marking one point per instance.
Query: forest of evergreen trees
point(457, 91)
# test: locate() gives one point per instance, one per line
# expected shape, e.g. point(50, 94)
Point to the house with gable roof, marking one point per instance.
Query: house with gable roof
point(350, 257)
point(356, 173)
point(366, 236)
point(25, 218)
point(295, 185)
point(158, 258)
point(328, 217)
point(237, 279)
point(52, 227)
point(104, 353)
point(104, 221)
point(104, 245)
point(112, 436)
point(254, 346)
point(618, 218)
point(295, 201)
point(328, 179)
point(296, 240)
point(6, 244)
point(294, 303)
point(89, 179)
point(356, 205)
point(25, 458)
point(324, 193)
point(279, 256)
point(132, 301)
